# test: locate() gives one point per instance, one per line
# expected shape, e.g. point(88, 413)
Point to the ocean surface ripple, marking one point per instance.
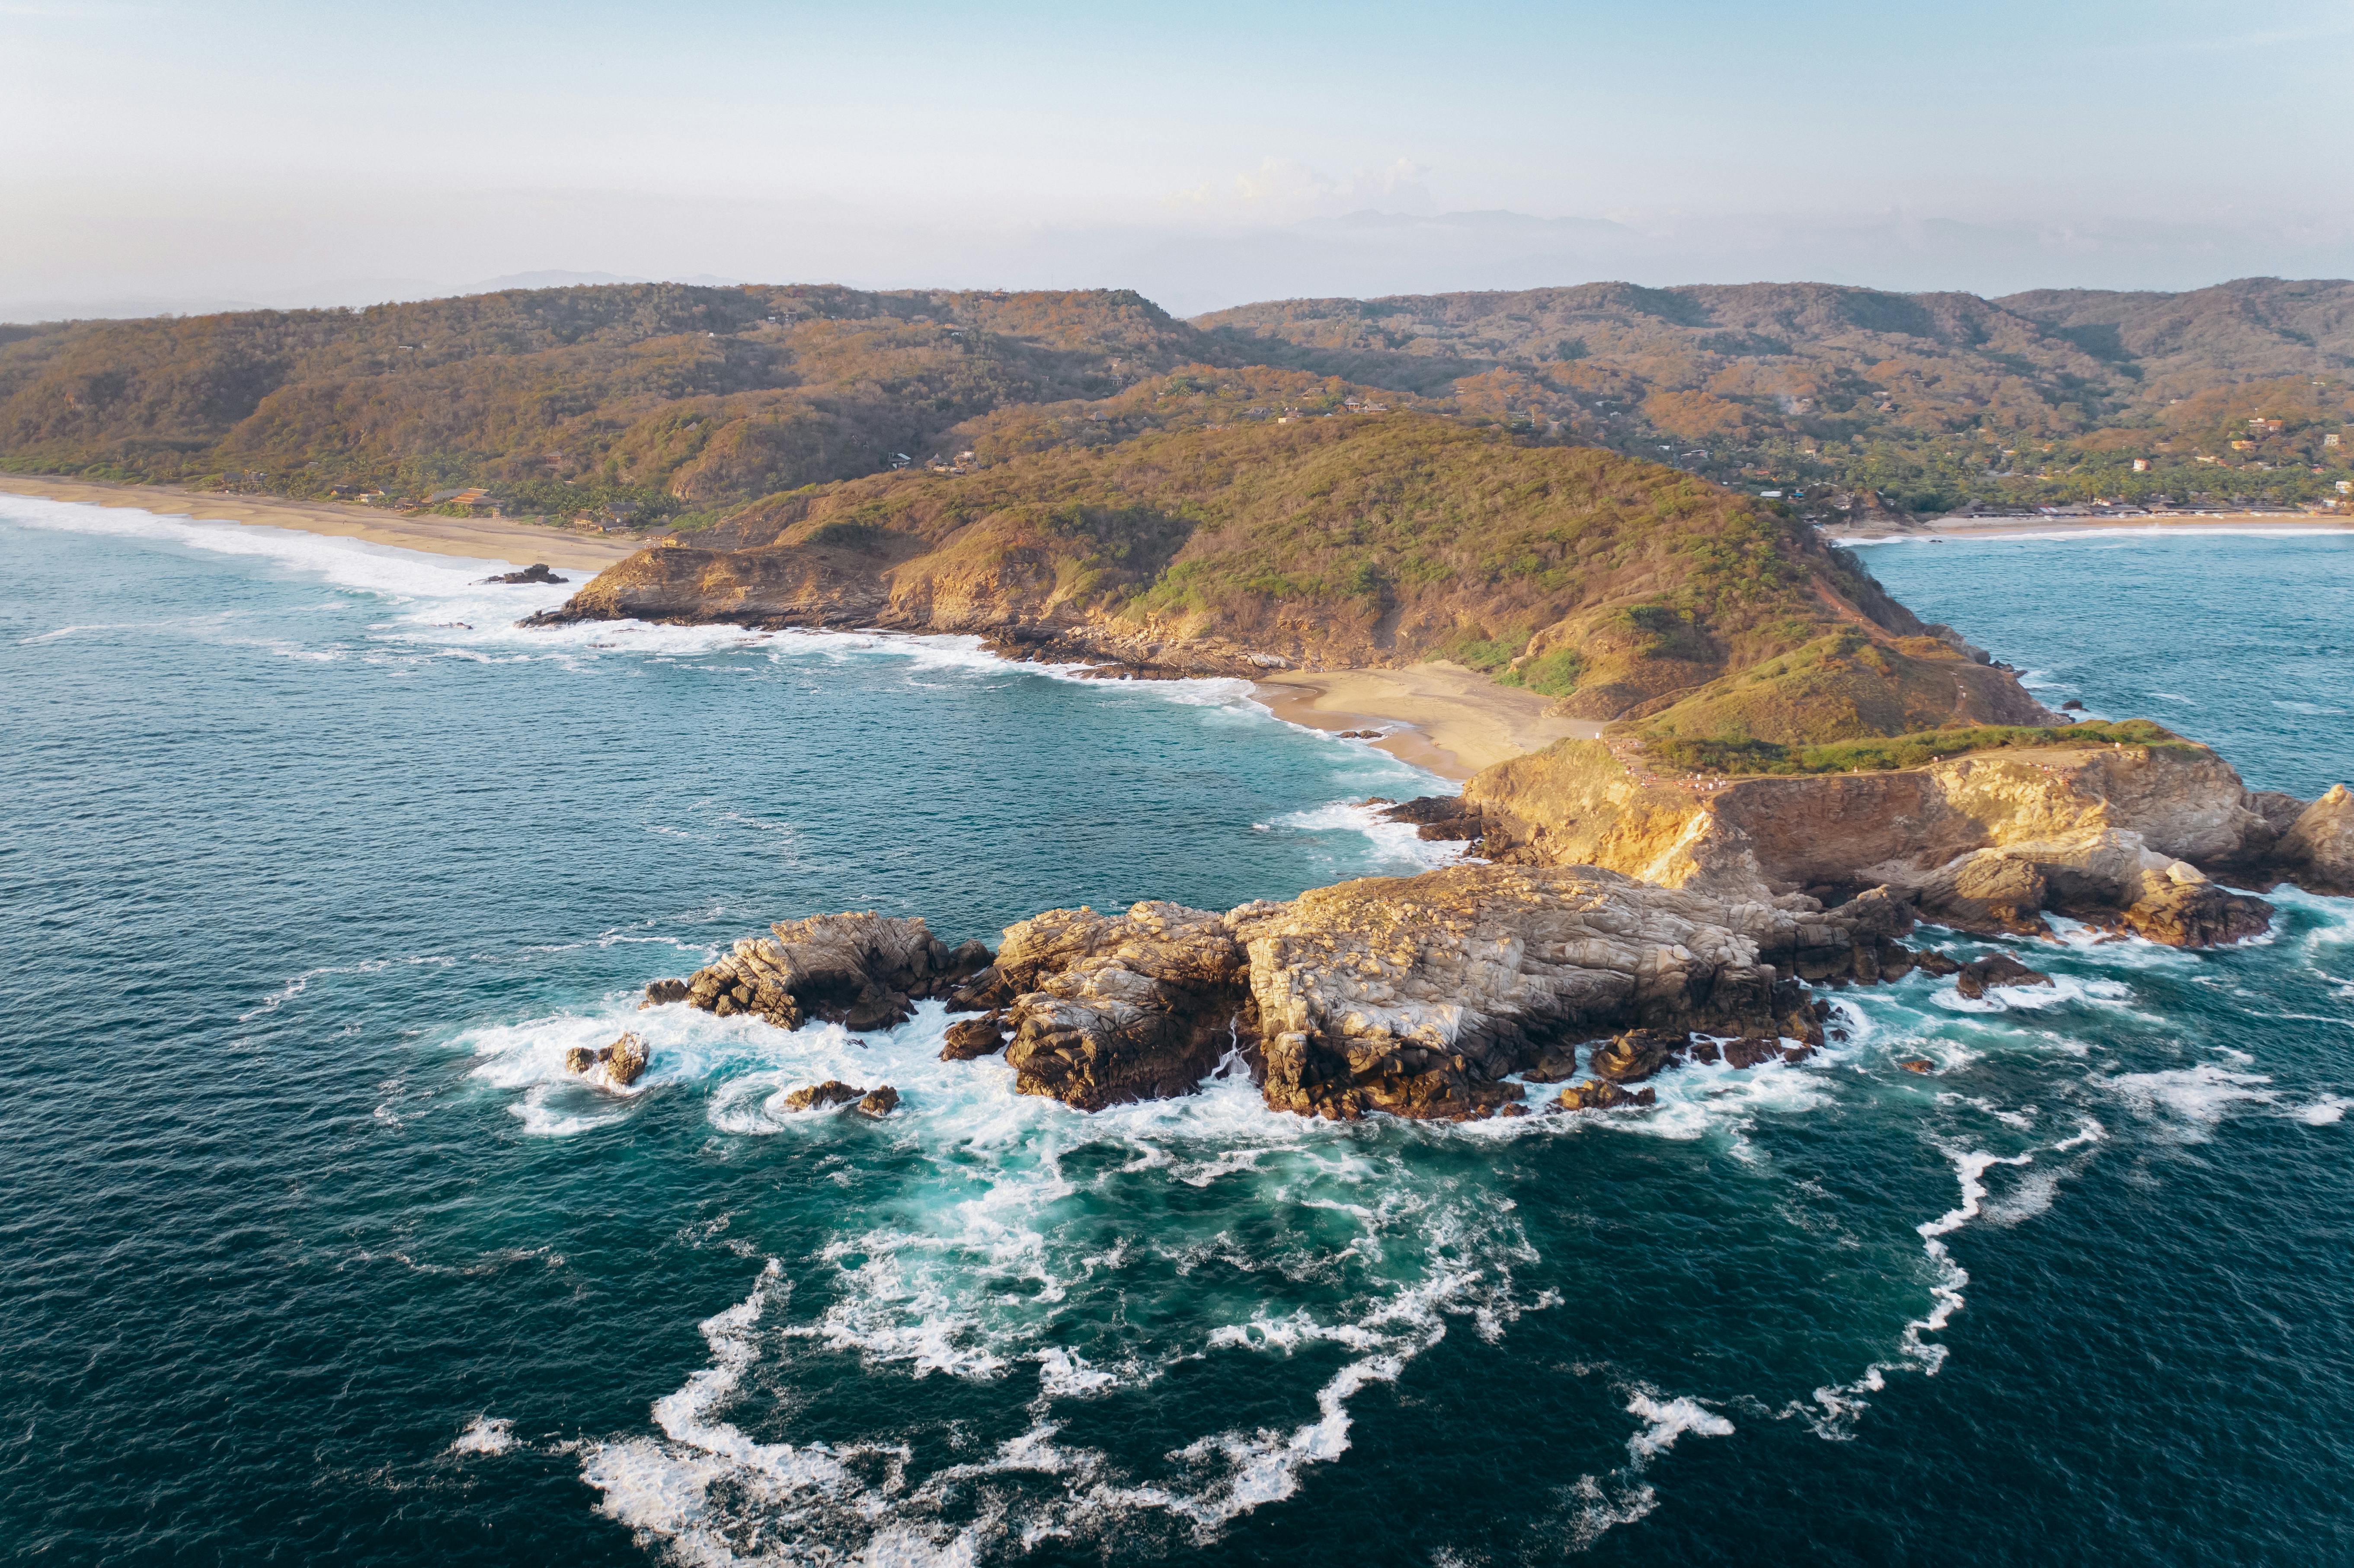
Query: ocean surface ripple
point(313, 866)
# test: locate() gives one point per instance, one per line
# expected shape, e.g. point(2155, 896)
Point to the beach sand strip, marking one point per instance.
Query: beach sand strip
point(480, 538)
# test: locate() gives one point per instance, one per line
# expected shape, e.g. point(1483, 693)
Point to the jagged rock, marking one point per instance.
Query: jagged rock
point(832, 1092)
point(863, 971)
point(969, 1038)
point(625, 1060)
point(2192, 912)
point(1441, 819)
point(1515, 1109)
point(1985, 841)
point(1750, 1050)
point(2318, 846)
point(879, 1103)
point(1704, 1048)
point(1416, 996)
point(2072, 706)
point(660, 991)
point(1636, 1055)
point(1985, 972)
point(1989, 892)
point(1890, 961)
point(1557, 1063)
point(1106, 1009)
point(536, 572)
point(1601, 1094)
point(617, 1065)
point(1917, 1064)
point(1934, 962)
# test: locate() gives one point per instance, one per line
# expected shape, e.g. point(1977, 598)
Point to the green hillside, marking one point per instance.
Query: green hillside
point(1931, 400)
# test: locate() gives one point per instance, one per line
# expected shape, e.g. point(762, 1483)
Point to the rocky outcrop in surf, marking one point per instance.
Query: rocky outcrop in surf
point(1418, 997)
point(536, 572)
point(1106, 1009)
point(2317, 849)
point(614, 1067)
point(861, 970)
point(2129, 838)
point(877, 1103)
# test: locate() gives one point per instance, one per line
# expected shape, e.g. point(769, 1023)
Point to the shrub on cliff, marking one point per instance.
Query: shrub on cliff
point(1747, 756)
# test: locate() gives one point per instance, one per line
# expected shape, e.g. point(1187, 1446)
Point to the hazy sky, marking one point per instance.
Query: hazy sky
point(177, 155)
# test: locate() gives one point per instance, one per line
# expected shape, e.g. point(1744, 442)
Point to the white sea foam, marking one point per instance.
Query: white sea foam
point(2192, 1100)
point(1399, 841)
point(2326, 1111)
point(974, 1277)
point(1667, 1420)
point(486, 1436)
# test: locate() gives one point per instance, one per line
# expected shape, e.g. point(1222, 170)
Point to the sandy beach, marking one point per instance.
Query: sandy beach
point(1449, 719)
point(1975, 528)
point(482, 539)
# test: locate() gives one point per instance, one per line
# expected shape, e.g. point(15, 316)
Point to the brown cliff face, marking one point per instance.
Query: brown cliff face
point(2117, 835)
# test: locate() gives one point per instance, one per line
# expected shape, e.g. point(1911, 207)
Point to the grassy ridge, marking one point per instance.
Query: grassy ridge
point(1878, 755)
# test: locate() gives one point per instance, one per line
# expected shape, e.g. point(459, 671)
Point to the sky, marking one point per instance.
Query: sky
point(204, 154)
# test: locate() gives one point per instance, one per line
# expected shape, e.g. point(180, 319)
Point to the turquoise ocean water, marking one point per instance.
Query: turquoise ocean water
point(312, 867)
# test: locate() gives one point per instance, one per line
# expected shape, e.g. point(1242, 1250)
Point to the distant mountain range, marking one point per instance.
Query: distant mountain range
point(675, 401)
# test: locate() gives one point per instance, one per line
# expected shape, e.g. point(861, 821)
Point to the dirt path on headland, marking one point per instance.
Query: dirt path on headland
point(482, 539)
point(1449, 719)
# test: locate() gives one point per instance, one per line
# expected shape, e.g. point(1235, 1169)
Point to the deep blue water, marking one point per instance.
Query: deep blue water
point(310, 1254)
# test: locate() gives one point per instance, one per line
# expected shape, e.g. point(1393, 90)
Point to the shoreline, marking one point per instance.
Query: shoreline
point(1439, 716)
point(1967, 528)
point(498, 539)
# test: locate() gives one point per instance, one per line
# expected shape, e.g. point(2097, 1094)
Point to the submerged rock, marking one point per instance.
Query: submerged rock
point(536, 572)
point(1984, 973)
point(970, 1038)
point(832, 1092)
point(1600, 1094)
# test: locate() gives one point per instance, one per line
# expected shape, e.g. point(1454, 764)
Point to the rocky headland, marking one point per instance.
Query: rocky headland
point(2155, 840)
point(1618, 923)
point(1791, 767)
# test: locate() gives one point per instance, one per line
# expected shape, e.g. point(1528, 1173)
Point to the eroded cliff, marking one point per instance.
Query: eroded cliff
point(2135, 837)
